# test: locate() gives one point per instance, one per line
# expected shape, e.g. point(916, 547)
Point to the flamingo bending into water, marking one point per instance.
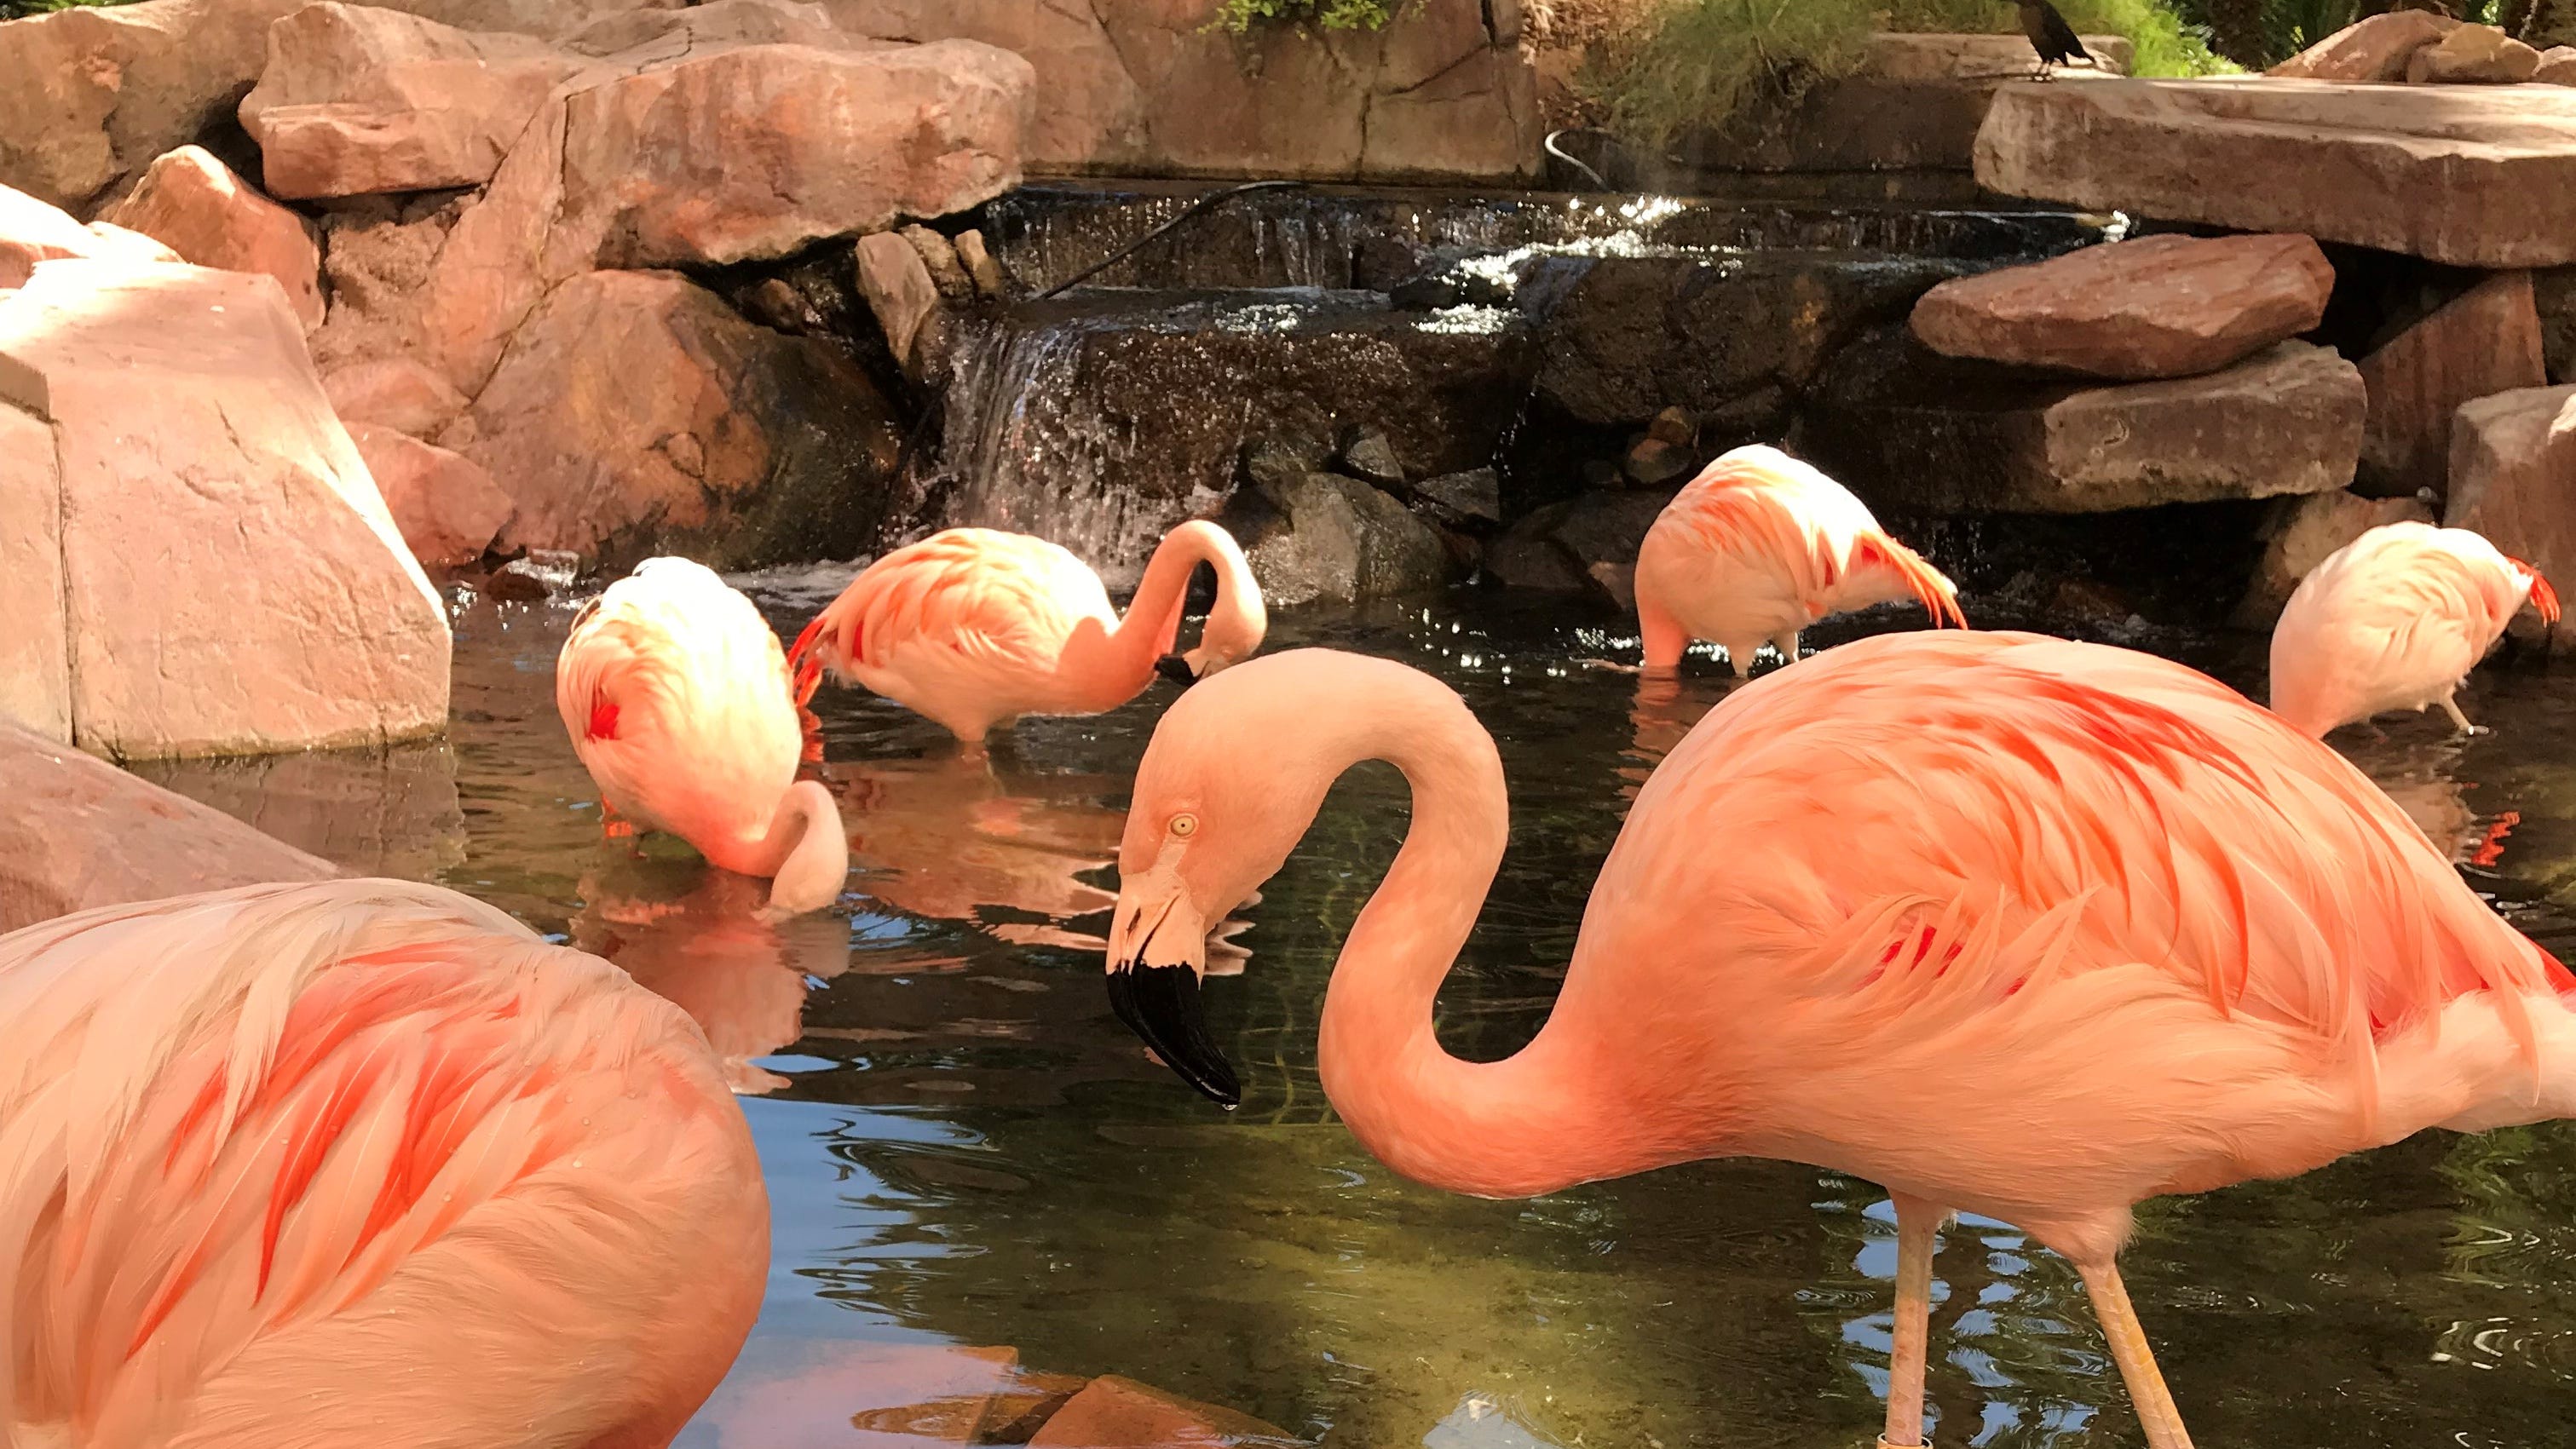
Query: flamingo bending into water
point(2007, 924)
point(1758, 547)
point(677, 698)
point(358, 1162)
point(2393, 620)
point(974, 627)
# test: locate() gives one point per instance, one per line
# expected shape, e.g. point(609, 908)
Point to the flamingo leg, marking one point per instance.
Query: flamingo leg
point(1739, 655)
point(1787, 644)
point(613, 826)
point(1917, 1225)
point(2451, 707)
point(2147, 1391)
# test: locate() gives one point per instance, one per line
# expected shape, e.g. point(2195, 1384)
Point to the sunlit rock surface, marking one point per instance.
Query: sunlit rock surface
point(2513, 479)
point(2485, 341)
point(80, 833)
point(195, 205)
point(33, 231)
point(233, 583)
point(35, 642)
point(2375, 49)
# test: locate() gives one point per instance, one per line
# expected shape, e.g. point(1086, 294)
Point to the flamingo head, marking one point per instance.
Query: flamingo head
point(1220, 801)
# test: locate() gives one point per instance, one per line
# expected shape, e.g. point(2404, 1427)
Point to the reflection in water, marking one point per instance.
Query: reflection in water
point(957, 838)
point(388, 812)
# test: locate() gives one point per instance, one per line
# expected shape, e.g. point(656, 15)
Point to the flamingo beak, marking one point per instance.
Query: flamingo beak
point(1157, 953)
point(1176, 669)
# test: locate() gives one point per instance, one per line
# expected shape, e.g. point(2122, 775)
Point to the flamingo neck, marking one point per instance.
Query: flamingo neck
point(1529, 1124)
point(805, 853)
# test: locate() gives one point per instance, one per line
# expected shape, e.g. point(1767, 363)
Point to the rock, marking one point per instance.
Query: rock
point(2159, 306)
point(647, 37)
point(379, 256)
point(2485, 341)
point(2300, 536)
point(1277, 463)
point(33, 231)
point(903, 295)
point(113, 243)
point(1116, 1413)
point(1025, 1404)
point(1652, 462)
point(395, 393)
point(1675, 426)
point(2473, 55)
point(234, 584)
point(979, 264)
point(203, 212)
point(2513, 479)
point(356, 99)
point(1635, 335)
point(1462, 498)
point(1586, 543)
point(2485, 178)
point(777, 303)
point(848, 141)
point(2555, 292)
point(2557, 66)
point(81, 833)
point(636, 414)
point(1367, 455)
point(1346, 541)
point(35, 668)
point(2376, 49)
point(1911, 432)
point(448, 508)
point(940, 256)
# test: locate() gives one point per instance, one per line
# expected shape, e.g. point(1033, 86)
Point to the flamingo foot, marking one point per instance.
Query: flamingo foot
point(2451, 707)
point(612, 826)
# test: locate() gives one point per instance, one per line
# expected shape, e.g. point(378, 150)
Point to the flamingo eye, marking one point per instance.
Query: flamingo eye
point(1185, 825)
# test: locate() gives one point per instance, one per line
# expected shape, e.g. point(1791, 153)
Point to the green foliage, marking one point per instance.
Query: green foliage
point(20, 9)
point(1330, 14)
point(1691, 63)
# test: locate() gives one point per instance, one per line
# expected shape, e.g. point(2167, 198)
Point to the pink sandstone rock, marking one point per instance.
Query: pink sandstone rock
point(357, 99)
point(2513, 479)
point(80, 833)
point(195, 205)
point(900, 291)
point(2485, 341)
point(1116, 1413)
point(2557, 66)
point(232, 581)
point(2159, 306)
point(2376, 49)
point(393, 392)
point(448, 508)
point(33, 231)
point(2473, 55)
point(35, 646)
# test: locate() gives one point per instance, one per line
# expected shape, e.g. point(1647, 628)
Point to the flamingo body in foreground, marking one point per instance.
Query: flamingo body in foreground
point(2394, 620)
point(357, 1162)
point(678, 701)
point(974, 627)
point(2032, 928)
point(1758, 547)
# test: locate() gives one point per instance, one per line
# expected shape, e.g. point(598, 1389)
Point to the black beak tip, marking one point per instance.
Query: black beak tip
point(1161, 1005)
point(1176, 669)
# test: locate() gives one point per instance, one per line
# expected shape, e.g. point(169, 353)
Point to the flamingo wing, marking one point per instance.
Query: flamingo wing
point(1003, 600)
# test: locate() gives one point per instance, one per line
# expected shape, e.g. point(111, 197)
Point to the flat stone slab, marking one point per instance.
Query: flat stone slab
point(2475, 176)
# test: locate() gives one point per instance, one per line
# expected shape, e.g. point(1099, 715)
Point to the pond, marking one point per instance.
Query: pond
point(964, 1147)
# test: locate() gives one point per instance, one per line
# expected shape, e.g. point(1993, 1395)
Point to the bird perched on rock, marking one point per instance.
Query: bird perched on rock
point(2054, 39)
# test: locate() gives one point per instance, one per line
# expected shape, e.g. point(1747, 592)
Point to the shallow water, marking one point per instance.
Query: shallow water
point(965, 1148)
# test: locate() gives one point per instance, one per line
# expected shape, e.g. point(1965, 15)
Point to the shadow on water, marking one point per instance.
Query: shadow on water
point(964, 1148)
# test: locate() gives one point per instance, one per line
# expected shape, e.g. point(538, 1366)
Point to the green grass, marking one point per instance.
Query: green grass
point(1330, 14)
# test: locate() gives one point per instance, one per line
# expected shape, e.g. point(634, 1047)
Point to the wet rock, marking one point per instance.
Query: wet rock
point(448, 508)
point(81, 833)
point(356, 99)
point(233, 580)
point(2301, 533)
point(2376, 49)
point(2486, 178)
point(904, 296)
point(940, 256)
point(2159, 306)
point(1343, 541)
point(1116, 1413)
point(1025, 1404)
point(2473, 55)
point(1675, 426)
point(1913, 432)
point(1587, 543)
point(195, 205)
point(2557, 66)
point(636, 413)
point(2485, 341)
point(1635, 335)
point(2513, 479)
point(990, 284)
point(1276, 464)
point(1462, 498)
point(1368, 455)
point(35, 668)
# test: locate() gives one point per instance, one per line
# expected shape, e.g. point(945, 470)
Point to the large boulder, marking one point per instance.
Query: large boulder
point(196, 206)
point(2487, 340)
point(2513, 479)
point(636, 413)
point(2471, 176)
point(1339, 540)
point(448, 508)
point(2376, 49)
point(2159, 306)
point(80, 833)
point(35, 667)
point(232, 582)
point(2299, 536)
point(1913, 432)
point(357, 99)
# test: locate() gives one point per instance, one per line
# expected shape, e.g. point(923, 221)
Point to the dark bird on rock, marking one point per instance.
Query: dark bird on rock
point(2050, 35)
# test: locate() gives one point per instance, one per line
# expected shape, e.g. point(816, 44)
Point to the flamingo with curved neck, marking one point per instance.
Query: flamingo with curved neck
point(2014, 925)
point(974, 627)
point(678, 701)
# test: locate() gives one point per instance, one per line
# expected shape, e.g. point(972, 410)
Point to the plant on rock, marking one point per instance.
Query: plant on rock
point(1330, 14)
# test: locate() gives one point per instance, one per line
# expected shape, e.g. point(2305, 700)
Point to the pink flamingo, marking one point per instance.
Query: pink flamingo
point(2393, 620)
point(2008, 924)
point(1758, 547)
point(676, 696)
point(974, 627)
point(358, 1162)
